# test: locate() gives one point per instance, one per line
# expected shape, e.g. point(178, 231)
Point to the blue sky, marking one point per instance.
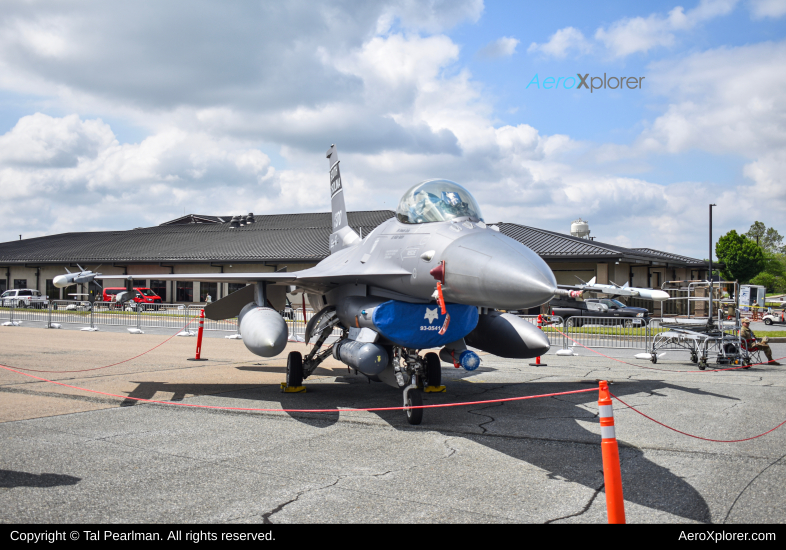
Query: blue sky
point(114, 116)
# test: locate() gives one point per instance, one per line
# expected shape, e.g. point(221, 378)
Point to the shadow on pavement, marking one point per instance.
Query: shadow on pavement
point(10, 479)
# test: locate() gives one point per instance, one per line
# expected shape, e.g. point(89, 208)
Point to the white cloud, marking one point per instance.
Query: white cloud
point(563, 42)
point(502, 47)
point(726, 100)
point(639, 34)
point(761, 9)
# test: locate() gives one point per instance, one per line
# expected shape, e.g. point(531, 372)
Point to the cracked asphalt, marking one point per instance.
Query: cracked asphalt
point(68, 456)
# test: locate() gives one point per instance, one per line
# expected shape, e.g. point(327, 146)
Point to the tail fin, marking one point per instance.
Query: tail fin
point(591, 282)
point(343, 236)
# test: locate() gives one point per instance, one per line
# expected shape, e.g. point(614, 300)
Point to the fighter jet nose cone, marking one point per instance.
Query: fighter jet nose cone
point(491, 270)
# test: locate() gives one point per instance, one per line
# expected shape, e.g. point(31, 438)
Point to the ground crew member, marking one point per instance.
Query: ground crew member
point(747, 334)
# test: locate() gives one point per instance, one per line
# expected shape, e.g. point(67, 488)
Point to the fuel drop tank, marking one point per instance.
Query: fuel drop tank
point(506, 335)
point(264, 331)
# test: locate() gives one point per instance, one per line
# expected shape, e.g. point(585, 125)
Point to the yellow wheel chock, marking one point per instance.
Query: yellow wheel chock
point(292, 389)
point(435, 389)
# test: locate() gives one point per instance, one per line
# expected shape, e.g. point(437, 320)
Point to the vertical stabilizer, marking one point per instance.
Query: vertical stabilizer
point(343, 235)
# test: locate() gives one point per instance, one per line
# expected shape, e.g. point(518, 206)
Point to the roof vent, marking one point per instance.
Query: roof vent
point(250, 218)
point(235, 222)
point(243, 221)
point(580, 228)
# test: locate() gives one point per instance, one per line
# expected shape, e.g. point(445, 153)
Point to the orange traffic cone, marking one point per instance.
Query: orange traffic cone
point(615, 505)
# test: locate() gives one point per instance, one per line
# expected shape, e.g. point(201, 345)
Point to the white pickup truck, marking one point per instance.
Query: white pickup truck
point(24, 297)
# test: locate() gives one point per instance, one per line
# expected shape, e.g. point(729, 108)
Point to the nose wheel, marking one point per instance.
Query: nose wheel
point(413, 398)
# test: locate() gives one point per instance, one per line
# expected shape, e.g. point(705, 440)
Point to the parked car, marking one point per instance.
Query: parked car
point(24, 297)
point(599, 307)
point(142, 296)
point(775, 317)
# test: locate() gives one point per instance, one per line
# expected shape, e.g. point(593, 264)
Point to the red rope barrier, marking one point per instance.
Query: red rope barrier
point(107, 366)
point(443, 405)
point(696, 436)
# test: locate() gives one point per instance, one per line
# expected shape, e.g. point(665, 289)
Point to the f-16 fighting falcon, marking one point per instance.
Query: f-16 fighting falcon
point(431, 277)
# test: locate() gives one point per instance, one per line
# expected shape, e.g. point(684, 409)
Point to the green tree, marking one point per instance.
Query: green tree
point(773, 283)
point(744, 259)
point(756, 232)
point(768, 238)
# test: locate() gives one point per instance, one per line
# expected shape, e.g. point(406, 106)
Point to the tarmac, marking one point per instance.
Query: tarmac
point(69, 456)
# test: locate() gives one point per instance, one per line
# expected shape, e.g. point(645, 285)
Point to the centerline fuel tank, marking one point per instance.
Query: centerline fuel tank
point(415, 326)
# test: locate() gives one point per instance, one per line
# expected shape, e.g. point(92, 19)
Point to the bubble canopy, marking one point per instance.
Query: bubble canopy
point(437, 201)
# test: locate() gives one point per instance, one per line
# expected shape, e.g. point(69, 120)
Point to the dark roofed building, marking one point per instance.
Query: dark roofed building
point(203, 244)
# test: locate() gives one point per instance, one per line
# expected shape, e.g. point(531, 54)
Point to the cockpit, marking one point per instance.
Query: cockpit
point(437, 201)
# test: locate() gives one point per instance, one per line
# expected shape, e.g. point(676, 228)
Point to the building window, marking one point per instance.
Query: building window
point(185, 291)
point(2, 286)
point(208, 288)
point(52, 292)
point(159, 287)
point(234, 287)
point(20, 283)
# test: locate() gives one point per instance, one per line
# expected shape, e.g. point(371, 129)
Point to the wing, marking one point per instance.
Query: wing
point(320, 274)
point(269, 277)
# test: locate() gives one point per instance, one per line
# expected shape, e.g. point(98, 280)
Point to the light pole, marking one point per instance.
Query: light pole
point(710, 308)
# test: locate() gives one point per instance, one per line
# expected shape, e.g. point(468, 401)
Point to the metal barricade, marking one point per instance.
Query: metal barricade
point(114, 314)
point(69, 311)
point(33, 312)
point(605, 332)
point(7, 308)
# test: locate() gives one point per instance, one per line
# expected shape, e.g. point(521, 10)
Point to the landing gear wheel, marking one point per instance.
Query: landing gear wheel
point(703, 364)
point(414, 399)
point(433, 369)
point(294, 369)
point(694, 358)
point(654, 358)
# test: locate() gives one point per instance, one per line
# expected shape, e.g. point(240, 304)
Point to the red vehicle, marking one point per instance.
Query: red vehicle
point(143, 295)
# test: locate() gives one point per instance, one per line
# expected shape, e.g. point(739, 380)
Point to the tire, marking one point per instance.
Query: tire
point(654, 358)
point(768, 321)
point(294, 369)
point(694, 358)
point(702, 365)
point(628, 324)
point(414, 399)
point(433, 369)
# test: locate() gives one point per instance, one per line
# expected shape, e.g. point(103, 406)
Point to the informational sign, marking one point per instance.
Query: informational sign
point(745, 298)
